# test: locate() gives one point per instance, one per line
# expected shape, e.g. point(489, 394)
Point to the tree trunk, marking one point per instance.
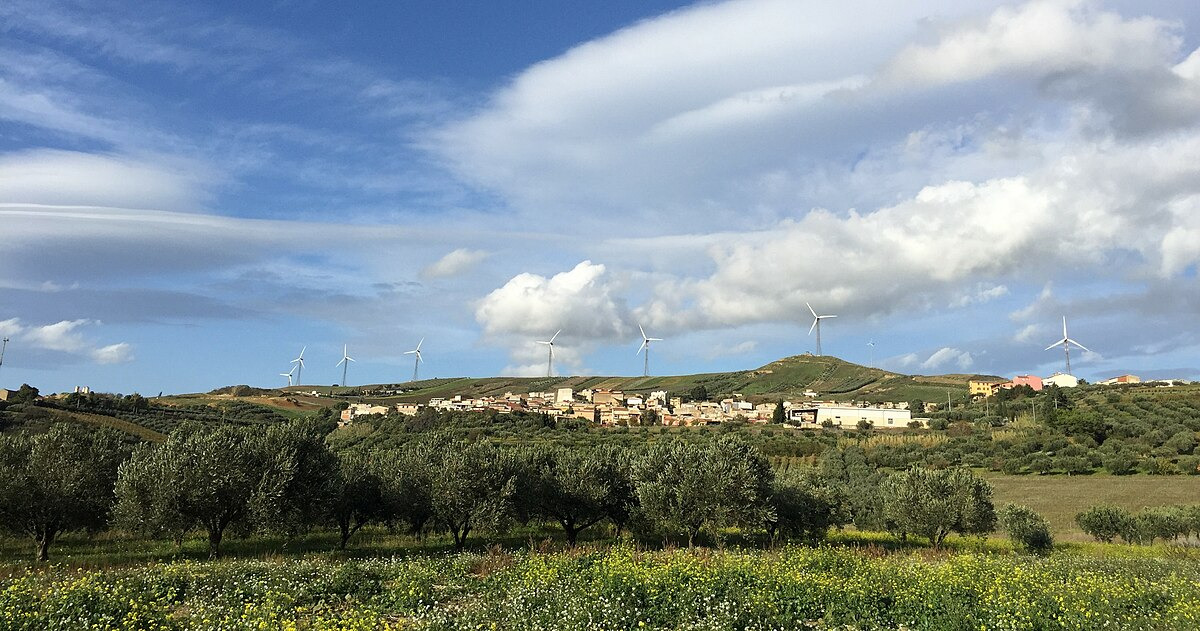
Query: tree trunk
point(345, 535)
point(214, 542)
point(44, 542)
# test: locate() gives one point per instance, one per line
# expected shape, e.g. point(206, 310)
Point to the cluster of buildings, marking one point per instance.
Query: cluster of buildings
point(616, 408)
point(988, 387)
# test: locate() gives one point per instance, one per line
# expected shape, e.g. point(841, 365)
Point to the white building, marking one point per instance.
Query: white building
point(1061, 380)
point(850, 416)
point(564, 395)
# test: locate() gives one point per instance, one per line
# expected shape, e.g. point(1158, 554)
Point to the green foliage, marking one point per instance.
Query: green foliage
point(779, 414)
point(57, 482)
point(205, 478)
point(1103, 523)
point(357, 497)
point(471, 485)
point(298, 485)
point(620, 588)
point(577, 489)
point(804, 506)
point(934, 503)
point(1027, 529)
point(684, 488)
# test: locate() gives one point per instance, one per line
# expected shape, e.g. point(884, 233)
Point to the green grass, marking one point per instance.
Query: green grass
point(1059, 498)
point(618, 587)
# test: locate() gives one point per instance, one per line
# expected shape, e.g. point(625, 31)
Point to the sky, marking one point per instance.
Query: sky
point(191, 193)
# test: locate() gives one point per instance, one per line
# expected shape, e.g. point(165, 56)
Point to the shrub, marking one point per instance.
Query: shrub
point(1103, 523)
point(1029, 530)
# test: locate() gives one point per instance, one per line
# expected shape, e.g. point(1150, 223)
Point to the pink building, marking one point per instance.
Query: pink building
point(1027, 380)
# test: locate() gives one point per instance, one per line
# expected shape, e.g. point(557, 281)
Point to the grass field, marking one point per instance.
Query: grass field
point(1059, 498)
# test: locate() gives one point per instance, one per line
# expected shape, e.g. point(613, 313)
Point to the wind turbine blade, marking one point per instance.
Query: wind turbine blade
point(1079, 345)
point(643, 331)
point(350, 358)
point(810, 310)
point(654, 339)
point(555, 336)
point(340, 363)
point(410, 352)
point(419, 357)
point(420, 343)
point(541, 342)
point(645, 343)
point(1064, 327)
point(829, 316)
point(1056, 344)
point(814, 325)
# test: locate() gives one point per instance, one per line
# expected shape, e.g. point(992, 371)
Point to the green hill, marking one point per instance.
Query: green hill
point(829, 377)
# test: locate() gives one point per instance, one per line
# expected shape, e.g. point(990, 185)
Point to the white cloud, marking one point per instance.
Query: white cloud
point(583, 303)
point(113, 354)
point(454, 263)
point(1037, 38)
point(65, 336)
point(1029, 333)
point(981, 293)
point(948, 356)
point(48, 176)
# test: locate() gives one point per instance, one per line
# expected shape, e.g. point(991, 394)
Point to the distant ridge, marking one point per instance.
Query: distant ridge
point(789, 377)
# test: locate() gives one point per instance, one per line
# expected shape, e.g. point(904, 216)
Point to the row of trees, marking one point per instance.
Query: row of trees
point(1169, 523)
point(286, 479)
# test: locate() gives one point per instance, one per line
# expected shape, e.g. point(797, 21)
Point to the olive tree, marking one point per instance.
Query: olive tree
point(1029, 530)
point(803, 506)
point(689, 488)
point(58, 481)
point(205, 478)
point(1103, 523)
point(471, 486)
point(934, 503)
point(577, 489)
point(297, 487)
point(357, 494)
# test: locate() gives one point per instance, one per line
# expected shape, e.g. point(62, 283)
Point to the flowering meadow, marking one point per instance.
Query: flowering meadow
point(617, 588)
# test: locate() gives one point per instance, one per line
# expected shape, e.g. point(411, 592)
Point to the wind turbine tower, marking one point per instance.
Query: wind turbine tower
point(1066, 342)
point(345, 363)
point(550, 352)
point(3, 347)
point(817, 325)
point(299, 367)
point(871, 345)
point(416, 360)
point(646, 347)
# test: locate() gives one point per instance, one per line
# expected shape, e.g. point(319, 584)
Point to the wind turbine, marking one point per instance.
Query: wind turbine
point(299, 367)
point(871, 344)
point(1066, 342)
point(550, 350)
point(345, 363)
point(817, 325)
point(3, 347)
point(646, 347)
point(288, 374)
point(417, 360)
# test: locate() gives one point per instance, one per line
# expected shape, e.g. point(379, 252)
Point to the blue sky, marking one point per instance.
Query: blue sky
point(190, 193)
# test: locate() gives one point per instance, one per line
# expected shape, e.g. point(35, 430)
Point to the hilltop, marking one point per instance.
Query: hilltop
point(787, 378)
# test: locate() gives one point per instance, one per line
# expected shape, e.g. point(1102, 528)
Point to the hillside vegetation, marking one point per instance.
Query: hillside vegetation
point(788, 378)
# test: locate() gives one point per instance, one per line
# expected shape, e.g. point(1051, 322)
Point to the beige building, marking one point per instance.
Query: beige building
point(849, 417)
